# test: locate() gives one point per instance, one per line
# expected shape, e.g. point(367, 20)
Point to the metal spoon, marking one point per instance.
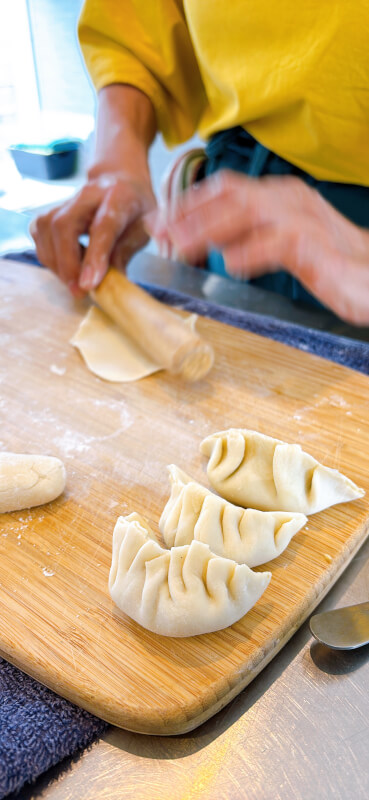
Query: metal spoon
point(343, 628)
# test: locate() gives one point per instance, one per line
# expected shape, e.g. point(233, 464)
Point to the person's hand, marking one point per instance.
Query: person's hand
point(109, 208)
point(261, 225)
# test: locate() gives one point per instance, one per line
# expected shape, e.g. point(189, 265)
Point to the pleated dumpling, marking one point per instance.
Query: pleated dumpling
point(184, 591)
point(254, 470)
point(246, 536)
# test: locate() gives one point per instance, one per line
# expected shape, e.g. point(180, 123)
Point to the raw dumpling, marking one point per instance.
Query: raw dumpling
point(29, 480)
point(184, 591)
point(246, 536)
point(251, 469)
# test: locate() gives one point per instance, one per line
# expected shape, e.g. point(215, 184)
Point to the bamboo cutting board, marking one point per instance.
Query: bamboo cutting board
point(57, 621)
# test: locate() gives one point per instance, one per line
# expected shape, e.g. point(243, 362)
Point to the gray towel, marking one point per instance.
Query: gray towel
point(37, 729)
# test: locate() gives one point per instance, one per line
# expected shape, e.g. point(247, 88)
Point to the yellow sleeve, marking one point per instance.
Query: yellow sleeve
point(148, 45)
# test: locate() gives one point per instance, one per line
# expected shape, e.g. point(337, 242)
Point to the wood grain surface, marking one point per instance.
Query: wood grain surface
point(57, 621)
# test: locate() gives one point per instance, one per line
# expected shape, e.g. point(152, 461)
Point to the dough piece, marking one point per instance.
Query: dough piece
point(251, 469)
point(29, 480)
point(109, 353)
point(246, 536)
point(185, 591)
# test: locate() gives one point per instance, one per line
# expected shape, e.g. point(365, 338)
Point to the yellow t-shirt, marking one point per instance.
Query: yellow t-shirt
point(296, 75)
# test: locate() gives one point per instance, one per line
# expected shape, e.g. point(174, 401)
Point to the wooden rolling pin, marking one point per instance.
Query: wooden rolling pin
point(159, 332)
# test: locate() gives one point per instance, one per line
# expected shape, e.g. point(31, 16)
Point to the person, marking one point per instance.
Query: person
point(280, 95)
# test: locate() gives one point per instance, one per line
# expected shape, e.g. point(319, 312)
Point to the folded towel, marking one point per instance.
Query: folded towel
point(37, 728)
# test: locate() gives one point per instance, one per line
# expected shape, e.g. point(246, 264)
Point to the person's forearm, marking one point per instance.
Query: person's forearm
point(111, 204)
point(126, 126)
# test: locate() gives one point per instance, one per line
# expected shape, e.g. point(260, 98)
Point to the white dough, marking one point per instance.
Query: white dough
point(109, 353)
point(185, 591)
point(246, 536)
point(250, 469)
point(29, 480)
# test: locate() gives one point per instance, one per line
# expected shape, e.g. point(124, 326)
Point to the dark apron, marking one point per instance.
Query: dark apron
point(238, 150)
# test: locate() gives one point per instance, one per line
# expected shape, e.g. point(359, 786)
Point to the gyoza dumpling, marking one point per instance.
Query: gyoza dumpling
point(246, 536)
point(184, 591)
point(254, 470)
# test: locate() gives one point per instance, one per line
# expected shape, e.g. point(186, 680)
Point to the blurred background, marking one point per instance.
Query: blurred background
point(45, 95)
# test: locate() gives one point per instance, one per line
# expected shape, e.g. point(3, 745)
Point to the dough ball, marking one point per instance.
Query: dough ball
point(29, 480)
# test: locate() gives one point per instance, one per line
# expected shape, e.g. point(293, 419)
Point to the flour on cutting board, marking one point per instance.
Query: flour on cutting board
point(334, 400)
point(72, 442)
point(5, 339)
point(5, 313)
point(118, 407)
point(69, 440)
point(57, 370)
point(47, 572)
